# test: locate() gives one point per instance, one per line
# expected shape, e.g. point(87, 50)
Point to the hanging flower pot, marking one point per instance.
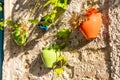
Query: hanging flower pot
point(49, 57)
point(90, 27)
point(20, 34)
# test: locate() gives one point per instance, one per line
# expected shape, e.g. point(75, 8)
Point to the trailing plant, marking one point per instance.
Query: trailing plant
point(51, 54)
point(58, 71)
point(64, 33)
point(47, 20)
point(57, 3)
point(34, 21)
point(61, 62)
point(52, 16)
point(19, 32)
point(52, 59)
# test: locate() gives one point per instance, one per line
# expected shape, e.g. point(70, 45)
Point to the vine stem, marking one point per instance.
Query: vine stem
point(33, 11)
point(33, 28)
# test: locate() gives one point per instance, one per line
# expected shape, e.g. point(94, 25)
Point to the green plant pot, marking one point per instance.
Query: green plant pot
point(49, 57)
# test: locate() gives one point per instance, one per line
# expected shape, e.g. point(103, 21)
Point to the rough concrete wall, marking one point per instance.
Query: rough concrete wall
point(114, 30)
point(87, 60)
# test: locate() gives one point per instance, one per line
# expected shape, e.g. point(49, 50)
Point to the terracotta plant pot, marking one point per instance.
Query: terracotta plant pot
point(49, 57)
point(90, 27)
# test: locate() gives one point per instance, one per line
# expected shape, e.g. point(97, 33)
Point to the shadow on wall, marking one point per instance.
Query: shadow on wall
point(76, 41)
point(106, 36)
point(37, 67)
point(20, 8)
point(115, 2)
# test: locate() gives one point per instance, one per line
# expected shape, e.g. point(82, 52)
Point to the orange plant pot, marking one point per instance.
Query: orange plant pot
point(90, 27)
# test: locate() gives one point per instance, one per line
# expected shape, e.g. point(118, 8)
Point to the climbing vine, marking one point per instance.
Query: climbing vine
point(52, 16)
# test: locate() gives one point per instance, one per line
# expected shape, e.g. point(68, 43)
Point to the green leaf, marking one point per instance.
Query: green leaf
point(56, 47)
point(50, 2)
point(20, 39)
point(47, 3)
point(1, 8)
point(58, 71)
point(59, 47)
point(33, 21)
point(49, 18)
point(16, 32)
point(62, 60)
point(62, 4)
point(20, 32)
point(1, 25)
point(62, 45)
point(53, 15)
point(45, 23)
point(20, 35)
point(63, 33)
point(10, 23)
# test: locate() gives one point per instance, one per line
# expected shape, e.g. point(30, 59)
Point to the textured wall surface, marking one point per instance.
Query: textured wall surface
point(98, 59)
point(114, 30)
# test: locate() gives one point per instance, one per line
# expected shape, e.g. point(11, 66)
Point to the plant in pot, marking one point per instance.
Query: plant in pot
point(58, 5)
point(52, 59)
point(88, 21)
point(19, 32)
point(51, 56)
point(91, 25)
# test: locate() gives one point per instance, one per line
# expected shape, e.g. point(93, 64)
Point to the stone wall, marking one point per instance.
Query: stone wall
point(98, 59)
point(114, 30)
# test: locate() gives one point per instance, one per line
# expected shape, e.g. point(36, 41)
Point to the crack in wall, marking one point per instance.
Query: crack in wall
point(106, 35)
